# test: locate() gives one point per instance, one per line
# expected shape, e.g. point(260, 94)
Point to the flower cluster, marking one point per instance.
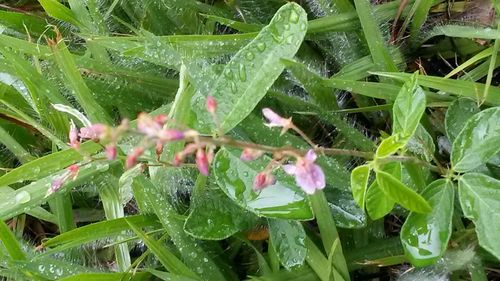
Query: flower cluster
point(157, 131)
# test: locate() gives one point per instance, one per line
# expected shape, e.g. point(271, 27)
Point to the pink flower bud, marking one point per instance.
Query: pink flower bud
point(178, 159)
point(148, 126)
point(275, 120)
point(262, 180)
point(159, 148)
point(132, 157)
point(170, 135)
point(74, 142)
point(161, 119)
point(249, 154)
point(211, 104)
point(111, 151)
point(202, 161)
point(73, 171)
point(93, 132)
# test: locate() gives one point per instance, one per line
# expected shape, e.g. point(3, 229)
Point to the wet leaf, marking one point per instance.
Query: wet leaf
point(421, 144)
point(402, 194)
point(378, 204)
point(425, 236)
point(288, 240)
point(480, 200)
point(359, 183)
point(390, 146)
point(281, 200)
point(408, 108)
point(215, 216)
point(253, 70)
point(461, 110)
point(478, 141)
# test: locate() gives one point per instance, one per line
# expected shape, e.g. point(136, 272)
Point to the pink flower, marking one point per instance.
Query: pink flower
point(132, 157)
point(170, 135)
point(93, 132)
point(159, 148)
point(277, 121)
point(211, 104)
point(111, 151)
point(148, 126)
point(56, 185)
point(249, 154)
point(70, 173)
point(202, 161)
point(308, 175)
point(262, 180)
point(74, 142)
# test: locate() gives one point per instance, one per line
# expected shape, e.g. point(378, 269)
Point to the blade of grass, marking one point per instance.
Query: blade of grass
point(10, 242)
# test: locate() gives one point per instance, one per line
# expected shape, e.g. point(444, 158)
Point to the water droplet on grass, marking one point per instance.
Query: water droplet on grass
point(23, 197)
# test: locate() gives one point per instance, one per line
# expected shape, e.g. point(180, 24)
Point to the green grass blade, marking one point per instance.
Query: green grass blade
point(10, 242)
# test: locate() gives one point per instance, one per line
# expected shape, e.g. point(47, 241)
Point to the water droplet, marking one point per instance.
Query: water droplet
point(228, 73)
point(278, 17)
point(303, 26)
point(234, 89)
point(261, 46)
point(294, 16)
point(23, 197)
point(277, 37)
point(249, 56)
point(286, 26)
point(242, 73)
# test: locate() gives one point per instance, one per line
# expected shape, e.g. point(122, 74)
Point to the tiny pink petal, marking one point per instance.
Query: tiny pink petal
point(211, 104)
point(170, 135)
point(310, 156)
point(274, 119)
point(290, 169)
point(202, 162)
point(263, 180)
point(111, 152)
point(93, 132)
point(310, 178)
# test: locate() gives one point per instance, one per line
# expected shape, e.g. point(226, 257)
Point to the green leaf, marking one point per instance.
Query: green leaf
point(480, 201)
point(401, 193)
point(421, 144)
point(461, 110)
point(425, 236)
point(346, 213)
point(57, 10)
point(377, 203)
point(96, 231)
point(49, 164)
point(359, 183)
point(253, 70)
point(408, 108)
point(166, 258)
point(478, 141)
point(119, 276)
point(214, 216)
point(10, 242)
point(281, 200)
point(288, 240)
point(389, 146)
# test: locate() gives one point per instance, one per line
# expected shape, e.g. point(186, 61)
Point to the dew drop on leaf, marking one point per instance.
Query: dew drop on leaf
point(22, 197)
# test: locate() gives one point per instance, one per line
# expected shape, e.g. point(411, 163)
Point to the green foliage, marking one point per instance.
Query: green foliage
point(343, 71)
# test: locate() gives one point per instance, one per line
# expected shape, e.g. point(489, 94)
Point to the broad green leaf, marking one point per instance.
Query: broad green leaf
point(378, 204)
point(166, 258)
point(408, 108)
point(390, 145)
point(421, 144)
point(189, 248)
point(402, 194)
point(288, 240)
point(346, 213)
point(480, 201)
point(253, 70)
point(96, 231)
point(49, 164)
point(461, 110)
point(478, 141)
point(214, 216)
point(359, 183)
point(425, 236)
point(281, 200)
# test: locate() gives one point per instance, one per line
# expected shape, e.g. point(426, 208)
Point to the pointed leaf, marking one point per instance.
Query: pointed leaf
point(425, 236)
point(378, 204)
point(401, 193)
point(252, 71)
point(461, 110)
point(408, 108)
